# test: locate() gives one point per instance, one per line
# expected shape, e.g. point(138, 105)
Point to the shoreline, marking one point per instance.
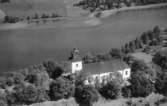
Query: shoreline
point(90, 21)
point(107, 13)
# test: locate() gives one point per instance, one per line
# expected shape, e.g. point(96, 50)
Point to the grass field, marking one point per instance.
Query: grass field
point(30, 7)
point(151, 99)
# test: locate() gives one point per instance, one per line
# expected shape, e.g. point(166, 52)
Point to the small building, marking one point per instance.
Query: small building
point(76, 61)
point(99, 70)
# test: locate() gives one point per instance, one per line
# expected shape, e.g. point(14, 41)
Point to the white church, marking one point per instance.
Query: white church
point(98, 70)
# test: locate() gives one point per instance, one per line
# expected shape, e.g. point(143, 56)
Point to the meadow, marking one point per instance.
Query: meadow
point(23, 8)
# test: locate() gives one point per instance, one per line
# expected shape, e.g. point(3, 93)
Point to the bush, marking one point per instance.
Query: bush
point(111, 90)
point(86, 95)
point(61, 88)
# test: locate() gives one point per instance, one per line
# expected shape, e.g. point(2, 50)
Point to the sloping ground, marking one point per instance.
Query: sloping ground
point(2, 14)
point(69, 102)
point(30, 7)
point(73, 11)
point(151, 99)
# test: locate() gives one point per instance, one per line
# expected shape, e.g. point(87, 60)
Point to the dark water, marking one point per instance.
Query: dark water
point(21, 48)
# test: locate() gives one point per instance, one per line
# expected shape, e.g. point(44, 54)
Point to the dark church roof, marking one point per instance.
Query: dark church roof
point(75, 55)
point(103, 67)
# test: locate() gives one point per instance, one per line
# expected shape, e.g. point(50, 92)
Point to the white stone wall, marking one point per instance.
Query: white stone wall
point(77, 66)
point(126, 73)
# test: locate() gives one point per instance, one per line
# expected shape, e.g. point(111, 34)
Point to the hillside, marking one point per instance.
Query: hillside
point(151, 99)
point(30, 7)
point(2, 14)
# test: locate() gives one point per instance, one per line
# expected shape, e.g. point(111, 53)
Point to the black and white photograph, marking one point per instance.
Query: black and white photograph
point(83, 52)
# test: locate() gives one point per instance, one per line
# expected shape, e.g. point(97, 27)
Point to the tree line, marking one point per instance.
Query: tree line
point(4, 1)
point(94, 5)
point(141, 43)
point(36, 16)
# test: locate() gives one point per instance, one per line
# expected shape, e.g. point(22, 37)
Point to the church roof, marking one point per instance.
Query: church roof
point(103, 67)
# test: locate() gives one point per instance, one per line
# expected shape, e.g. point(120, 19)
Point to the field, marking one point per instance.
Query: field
point(30, 7)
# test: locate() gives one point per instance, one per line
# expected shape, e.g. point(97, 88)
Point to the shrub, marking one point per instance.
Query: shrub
point(86, 95)
point(61, 88)
point(111, 90)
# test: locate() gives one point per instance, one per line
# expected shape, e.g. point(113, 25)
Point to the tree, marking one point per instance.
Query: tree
point(116, 53)
point(86, 95)
point(55, 15)
point(89, 58)
point(138, 65)
point(36, 16)
point(144, 38)
point(53, 68)
point(156, 31)
point(4, 1)
point(111, 90)
point(161, 82)
point(61, 88)
point(131, 46)
point(3, 100)
point(138, 44)
point(126, 91)
point(141, 85)
point(160, 59)
point(28, 94)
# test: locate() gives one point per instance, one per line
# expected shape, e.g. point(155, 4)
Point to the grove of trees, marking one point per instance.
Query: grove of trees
point(96, 5)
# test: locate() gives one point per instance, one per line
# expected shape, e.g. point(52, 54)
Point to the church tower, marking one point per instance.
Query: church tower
point(76, 61)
